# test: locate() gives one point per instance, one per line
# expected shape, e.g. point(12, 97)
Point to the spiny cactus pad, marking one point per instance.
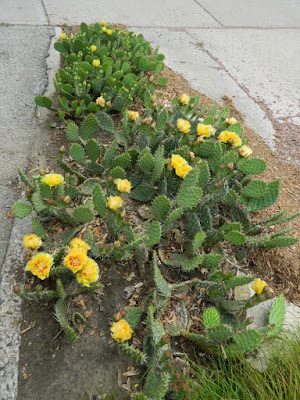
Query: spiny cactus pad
point(89, 127)
point(161, 206)
point(248, 341)
point(21, 210)
point(255, 189)
point(83, 214)
point(276, 316)
point(253, 166)
point(211, 318)
point(77, 153)
point(236, 238)
point(269, 198)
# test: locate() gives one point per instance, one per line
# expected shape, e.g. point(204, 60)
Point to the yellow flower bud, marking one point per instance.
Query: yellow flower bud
point(103, 23)
point(205, 130)
point(100, 101)
point(183, 126)
point(230, 137)
point(93, 48)
point(67, 200)
point(109, 32)
point(258, 286)
point(231, 121)
point(63, 36)
point(133, 115)
point(184, 99)
point(104, 29)
point(96, 63)
point(79, 244)
point(123, 185)
point(114, 202)
point(32, 242)
point(245, 151)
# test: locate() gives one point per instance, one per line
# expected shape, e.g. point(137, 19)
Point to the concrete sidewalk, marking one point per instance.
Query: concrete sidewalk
point(248, 51)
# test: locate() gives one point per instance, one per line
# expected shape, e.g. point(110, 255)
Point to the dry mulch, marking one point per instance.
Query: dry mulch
point(279, 267)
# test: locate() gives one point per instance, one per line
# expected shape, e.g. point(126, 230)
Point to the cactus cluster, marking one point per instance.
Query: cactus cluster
point(54, 201)
point(65, 287)
point(190, 170)
point(103, 71)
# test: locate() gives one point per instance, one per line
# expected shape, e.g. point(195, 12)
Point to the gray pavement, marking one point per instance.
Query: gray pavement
point(246, 50)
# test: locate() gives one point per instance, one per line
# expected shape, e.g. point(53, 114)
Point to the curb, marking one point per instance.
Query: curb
point(10, 303)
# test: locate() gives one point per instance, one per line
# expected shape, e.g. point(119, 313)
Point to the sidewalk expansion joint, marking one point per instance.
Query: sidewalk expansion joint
point(203, 8)
point(45, 11)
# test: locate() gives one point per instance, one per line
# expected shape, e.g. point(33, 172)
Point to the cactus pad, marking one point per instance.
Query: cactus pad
point(276, 316)
point(83, 214)
point(211, 318)
point(161, 206)
point(236, 238)
point(253, 166)
point(21, 210)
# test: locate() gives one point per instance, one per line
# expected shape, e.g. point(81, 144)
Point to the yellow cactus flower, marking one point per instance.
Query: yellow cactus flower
point(258, 286)
point(40, 265)
point(245, 151)
point(183, 126)
point(231, 121)
point(177, 161)
point(103, 23)
point(63, 36)
point(109, 32)
point(93, 48)
point(230, 137)
point(181, 166)
point(205, 130)
point(123, 185)
point(121, 330)
point(184, 99)
point(89, 273)
point(133, 115)
point(96, 63)
point(32, 242)
point(104, 29)
point(114, 202)
point(224, 136)
point(75, 259)
point(100, 101)
point(80, 244)
point(235, 140)
point(53, 179)
point(183, 170)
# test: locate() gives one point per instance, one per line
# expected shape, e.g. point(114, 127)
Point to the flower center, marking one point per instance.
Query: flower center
point(75, 261)
point(41, 266)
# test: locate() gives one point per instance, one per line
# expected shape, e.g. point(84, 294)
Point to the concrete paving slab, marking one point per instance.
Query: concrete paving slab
point(258, 13)
point(206, 75)
point(23, 12)
point(130, 12)
point(24, 50)
point(265, 62)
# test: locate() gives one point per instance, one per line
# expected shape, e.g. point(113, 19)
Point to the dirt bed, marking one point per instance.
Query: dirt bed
point(51, 367)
